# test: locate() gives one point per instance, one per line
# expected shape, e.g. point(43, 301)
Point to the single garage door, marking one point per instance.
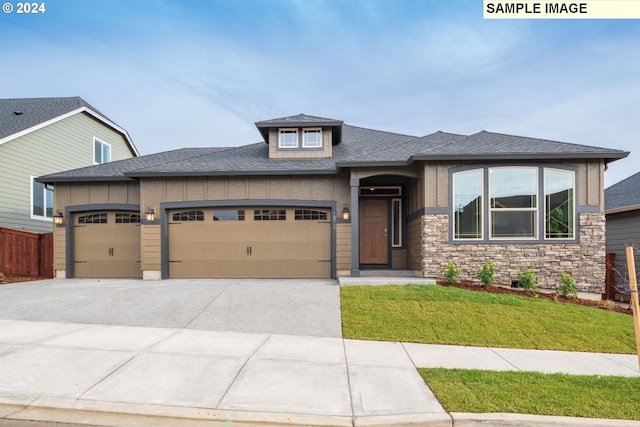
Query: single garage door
point(250, 243)
point(107, 244)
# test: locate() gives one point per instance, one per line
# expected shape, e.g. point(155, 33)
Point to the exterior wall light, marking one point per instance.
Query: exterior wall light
point(58, 219)
point(345, 213)
point(150, 214)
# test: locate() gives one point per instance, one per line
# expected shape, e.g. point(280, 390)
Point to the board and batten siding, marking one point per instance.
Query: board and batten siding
point(63, 145)
point(623, 229)
point(73, 194)
point(155, 191)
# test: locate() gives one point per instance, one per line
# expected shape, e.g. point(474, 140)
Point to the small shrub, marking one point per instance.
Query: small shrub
point(527, 280)
point(451, 273)
point(486, 273)
point(567, 287)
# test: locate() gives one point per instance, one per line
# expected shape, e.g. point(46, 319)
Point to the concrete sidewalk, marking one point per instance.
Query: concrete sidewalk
point(120, 375)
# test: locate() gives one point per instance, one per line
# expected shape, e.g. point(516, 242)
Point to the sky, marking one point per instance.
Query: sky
point(195, 73)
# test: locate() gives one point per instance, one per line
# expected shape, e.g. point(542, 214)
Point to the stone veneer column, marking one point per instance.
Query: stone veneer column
point(584, 261)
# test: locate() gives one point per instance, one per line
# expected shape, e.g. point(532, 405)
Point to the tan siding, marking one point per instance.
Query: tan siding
point(275, 153)
point(237, 187)
point(399, 258)
point(300, 189)
point(151, 247)
point(414, 245)
point(64, 145)
point(216, 188)
point(343, 247)
point(279, 187)
point(195, 188)
point(98, 192)
point(257, 187)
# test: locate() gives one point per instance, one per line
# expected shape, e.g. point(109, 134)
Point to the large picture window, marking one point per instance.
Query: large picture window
point(512, 209)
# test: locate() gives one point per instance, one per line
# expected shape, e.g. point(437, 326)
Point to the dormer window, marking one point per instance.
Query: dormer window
point(312, 138)
point(288, 138)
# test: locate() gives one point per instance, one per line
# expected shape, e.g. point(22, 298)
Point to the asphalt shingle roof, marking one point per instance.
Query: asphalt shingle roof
point(19, 114)
point(623, 194)
point(359, 147)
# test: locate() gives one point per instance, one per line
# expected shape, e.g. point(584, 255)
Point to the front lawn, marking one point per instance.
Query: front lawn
point(475, 391)
point(444, 315)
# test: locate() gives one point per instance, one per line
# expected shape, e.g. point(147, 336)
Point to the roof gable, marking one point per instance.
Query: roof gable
point(20, 116)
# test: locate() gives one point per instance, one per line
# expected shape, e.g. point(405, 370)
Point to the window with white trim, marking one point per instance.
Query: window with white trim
point(41, 200)
point(101, 151)
point(511, 210)
point(288, 138)
point(513, 207)
point(396, 223)
point(312, 138)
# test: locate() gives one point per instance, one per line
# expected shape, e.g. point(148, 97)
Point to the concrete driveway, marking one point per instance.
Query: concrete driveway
point(289, 307)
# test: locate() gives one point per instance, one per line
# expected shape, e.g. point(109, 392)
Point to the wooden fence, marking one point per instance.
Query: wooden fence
point(23, 253)
point(610, 278)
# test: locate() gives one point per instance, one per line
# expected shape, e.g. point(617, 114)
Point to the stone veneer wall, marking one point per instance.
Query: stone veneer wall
point(584, 261)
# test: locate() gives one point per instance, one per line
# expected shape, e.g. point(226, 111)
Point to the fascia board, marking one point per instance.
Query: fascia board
point(622, 209)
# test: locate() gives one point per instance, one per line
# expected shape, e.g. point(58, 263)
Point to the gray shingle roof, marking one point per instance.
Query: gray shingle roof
point(359, 147)
point(299, 120)
point(19, 114)
point(623, 194)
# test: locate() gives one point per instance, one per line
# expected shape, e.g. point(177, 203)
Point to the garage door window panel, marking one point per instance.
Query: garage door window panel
point(187, 216)
point(310, 215)
point(127, 218)
point(270, 215)
point(100, 218)
point(228, 215)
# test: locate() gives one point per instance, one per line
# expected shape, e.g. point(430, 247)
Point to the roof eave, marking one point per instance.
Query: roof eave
point(45, 180)
point(263, 172)
point(608, 156)
point(622, 209)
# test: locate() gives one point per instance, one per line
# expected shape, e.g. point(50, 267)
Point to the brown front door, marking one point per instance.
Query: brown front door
point(374, 221)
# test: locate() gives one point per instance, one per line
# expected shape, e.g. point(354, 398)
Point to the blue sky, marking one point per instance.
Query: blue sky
point(179, 73)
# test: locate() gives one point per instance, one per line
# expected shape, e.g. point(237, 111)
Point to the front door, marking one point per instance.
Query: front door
point(374, 223)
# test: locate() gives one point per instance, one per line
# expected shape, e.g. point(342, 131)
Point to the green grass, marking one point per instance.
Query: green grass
point(443, 315)
point(532, 393)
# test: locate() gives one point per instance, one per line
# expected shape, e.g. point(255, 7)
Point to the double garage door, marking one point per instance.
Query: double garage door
point(249, 243)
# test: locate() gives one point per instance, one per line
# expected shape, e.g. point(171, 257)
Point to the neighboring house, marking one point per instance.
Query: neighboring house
point(40, 136)
point(622, 209)
point(319, 198)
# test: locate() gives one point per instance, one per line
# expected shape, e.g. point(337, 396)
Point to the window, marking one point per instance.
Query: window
point(513, 202)
point(311, 138)
point(98, 218)
point(269, 215)
point(558, 204)
point(288, 138)
point(101, 151)
point(41, 200)
point(396, 223)
point(308, 214)
point(189, 216)
point(467, 204)
point(511, 210)
point(127, 218)
point(228, 215)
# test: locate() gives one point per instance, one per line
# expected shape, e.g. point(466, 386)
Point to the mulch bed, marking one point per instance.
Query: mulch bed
point(604, 305)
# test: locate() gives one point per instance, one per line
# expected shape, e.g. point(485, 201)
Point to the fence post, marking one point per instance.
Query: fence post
point(633, 285)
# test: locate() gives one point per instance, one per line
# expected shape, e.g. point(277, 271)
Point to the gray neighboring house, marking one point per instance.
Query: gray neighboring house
point(321, 198)
point(39, 136)
point(622, 209)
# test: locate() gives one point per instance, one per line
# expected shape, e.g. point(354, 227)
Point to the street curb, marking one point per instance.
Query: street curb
point(524, 420)
point(81, 411)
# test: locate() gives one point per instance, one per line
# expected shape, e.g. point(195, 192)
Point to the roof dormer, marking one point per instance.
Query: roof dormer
point(300, 136)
